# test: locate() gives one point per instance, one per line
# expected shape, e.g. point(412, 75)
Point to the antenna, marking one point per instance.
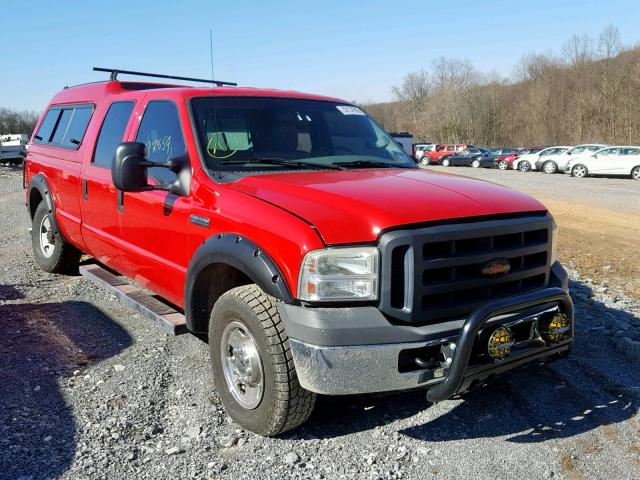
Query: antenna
point(213, 95)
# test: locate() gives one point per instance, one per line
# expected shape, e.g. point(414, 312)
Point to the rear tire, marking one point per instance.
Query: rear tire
point(549, 167)
point(52, 253)
point(579, 171)
point(475, 164)
point(424, 161)
point(524, 166)
point(635, 173)
point(446, 162)
point(281, 403)
point(503, 165)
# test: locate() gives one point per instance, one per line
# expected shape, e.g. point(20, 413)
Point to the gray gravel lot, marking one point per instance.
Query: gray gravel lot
point(92, 390)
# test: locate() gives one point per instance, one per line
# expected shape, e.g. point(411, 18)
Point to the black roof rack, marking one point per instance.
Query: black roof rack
point(115, 71)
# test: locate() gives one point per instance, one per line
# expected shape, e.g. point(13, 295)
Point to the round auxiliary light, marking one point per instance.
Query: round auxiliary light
point(500, 343)
point(554, 327)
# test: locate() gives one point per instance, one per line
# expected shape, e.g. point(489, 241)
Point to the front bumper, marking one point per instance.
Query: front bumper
point(350, 351)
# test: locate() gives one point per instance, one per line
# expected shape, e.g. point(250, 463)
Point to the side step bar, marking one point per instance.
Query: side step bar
point(147, 305)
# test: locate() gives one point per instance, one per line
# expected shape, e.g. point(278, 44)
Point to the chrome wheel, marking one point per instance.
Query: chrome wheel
point(550, 167)
point(242, 365)
point(47, 240)
point(445, 163)
point(475, 163)
point(503, 165)
point(524, 166)
point(579, 171)
point(635, 173)
point(424, 161)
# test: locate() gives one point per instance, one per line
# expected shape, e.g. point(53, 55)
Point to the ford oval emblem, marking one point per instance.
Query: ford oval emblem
point(496, 268)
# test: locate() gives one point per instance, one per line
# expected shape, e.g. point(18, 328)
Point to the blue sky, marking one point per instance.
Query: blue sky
point(352, 49)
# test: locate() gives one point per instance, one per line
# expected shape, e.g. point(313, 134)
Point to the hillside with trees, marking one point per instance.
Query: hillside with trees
point(589, 92)
point(12, 121)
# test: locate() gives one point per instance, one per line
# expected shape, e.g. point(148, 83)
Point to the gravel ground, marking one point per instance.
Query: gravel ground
point(91, 390)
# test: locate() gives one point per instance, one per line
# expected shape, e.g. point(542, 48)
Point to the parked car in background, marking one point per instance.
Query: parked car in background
point(505, 162)
point(421, 149)
point(624, 160)
point(557, 162)
point(442, 150)
point(471, 157)
point(533, 160)
point(13, 147)
point(498, 152)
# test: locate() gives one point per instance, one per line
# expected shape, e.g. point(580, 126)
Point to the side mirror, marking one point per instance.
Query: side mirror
point(568, 153)
point(129, 167)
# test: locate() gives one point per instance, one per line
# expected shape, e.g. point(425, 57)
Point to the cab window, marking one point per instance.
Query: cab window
point(112, 133)
point(161, 132)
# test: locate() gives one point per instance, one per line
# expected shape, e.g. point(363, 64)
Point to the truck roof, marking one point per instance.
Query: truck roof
point(89, 92)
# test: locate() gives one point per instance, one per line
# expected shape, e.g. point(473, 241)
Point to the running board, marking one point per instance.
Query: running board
point(147, 305)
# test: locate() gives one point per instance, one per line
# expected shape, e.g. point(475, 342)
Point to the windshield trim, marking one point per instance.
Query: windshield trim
point(226, 176)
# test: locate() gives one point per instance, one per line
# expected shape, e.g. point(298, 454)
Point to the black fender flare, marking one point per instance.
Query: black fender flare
point(240, 253)
point(39, 183)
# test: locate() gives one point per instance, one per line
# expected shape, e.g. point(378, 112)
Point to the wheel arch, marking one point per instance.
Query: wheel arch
point(39, 191)
point(223, 262)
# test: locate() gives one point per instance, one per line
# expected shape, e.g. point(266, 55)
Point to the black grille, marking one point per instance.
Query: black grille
point(435, 274)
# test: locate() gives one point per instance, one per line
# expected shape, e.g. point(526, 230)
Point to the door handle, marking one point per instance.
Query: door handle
point(85, 189)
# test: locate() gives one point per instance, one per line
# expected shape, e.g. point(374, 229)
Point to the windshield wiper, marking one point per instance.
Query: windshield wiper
point(282, 161)
point(367, 163)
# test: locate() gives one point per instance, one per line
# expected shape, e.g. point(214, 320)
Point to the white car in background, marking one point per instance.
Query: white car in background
point(421, 150)
point(530, 161)
point(623, 160)
point(556, 162)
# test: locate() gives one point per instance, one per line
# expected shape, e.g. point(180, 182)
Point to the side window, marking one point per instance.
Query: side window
point(112, 133)
point(62, 126)
point(47, 126)
point(593, 148)
point(160, 131)
point(578, 150)
point(77, 127)
point(450, 148)
point(630, 151)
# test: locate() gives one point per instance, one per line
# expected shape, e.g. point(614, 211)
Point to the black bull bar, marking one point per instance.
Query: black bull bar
point(476, 321)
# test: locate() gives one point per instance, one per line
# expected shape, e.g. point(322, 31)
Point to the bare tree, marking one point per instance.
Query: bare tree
point(609, 43)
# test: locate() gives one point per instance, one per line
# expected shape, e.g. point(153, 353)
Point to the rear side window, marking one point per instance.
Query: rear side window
point(46, 127)
point(112, 133)
point(160, 131)
point(77, 127)
point(64, 126)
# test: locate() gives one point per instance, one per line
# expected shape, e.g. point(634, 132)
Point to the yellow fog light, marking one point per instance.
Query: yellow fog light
point(500, 343)
point(554, 327)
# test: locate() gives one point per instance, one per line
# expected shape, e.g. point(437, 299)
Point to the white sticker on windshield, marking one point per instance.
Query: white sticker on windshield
point(349, 110)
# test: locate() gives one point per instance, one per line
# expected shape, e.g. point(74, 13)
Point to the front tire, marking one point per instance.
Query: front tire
point(446, 162)
point(503, 165)
point(424, 161)
point(579, 171)
point(635, 173)
point(524, 166)
point(475, 164)
point(549, 167)
point(253, 368)
point(52, 253)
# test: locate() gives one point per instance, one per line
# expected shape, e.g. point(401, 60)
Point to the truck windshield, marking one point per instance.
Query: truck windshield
point(243, 133)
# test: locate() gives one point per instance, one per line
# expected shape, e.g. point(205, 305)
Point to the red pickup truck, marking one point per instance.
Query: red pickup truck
point(292, 233)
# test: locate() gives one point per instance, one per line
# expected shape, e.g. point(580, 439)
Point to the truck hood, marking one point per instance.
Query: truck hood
point(350, 206)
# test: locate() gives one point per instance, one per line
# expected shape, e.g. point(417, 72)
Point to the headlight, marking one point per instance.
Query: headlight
point(554, 241)
point(339, 274)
